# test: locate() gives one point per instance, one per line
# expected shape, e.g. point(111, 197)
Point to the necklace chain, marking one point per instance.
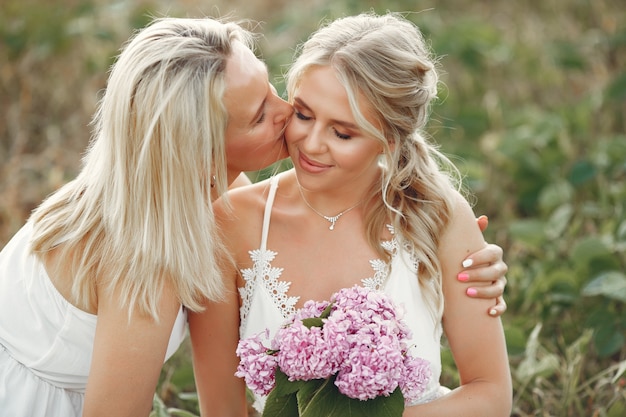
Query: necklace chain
point(331, 219)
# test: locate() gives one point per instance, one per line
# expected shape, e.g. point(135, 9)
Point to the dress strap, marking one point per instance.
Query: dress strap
point(268, 211)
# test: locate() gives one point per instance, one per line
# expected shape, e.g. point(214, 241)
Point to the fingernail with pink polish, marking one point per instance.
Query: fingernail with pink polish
point(463, 277)
point(471, 292)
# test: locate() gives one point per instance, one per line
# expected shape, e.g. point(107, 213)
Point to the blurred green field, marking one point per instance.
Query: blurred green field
point(532, 106)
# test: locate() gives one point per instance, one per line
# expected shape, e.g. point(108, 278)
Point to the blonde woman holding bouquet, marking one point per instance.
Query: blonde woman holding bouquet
point(369, 202)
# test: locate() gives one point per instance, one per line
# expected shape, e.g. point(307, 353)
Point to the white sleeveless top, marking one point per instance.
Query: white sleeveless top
point(46, 343)
point(265, 303)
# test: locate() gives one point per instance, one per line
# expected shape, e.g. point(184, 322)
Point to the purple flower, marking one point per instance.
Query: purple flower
point(363, 341)
point(373, 367)
point(304, 354)
point(310, 309)
point(337, 332)
point(257, 365)
point(415, 377)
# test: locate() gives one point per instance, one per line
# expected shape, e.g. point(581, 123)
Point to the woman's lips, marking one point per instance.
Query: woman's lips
point(310, 165)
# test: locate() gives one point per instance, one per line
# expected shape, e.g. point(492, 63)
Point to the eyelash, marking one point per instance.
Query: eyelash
point(261, 119)
point(306, 118)
point(342, 136)
point(301, 116)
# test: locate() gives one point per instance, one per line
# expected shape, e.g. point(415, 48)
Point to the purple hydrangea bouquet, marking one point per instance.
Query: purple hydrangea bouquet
point(346, 357)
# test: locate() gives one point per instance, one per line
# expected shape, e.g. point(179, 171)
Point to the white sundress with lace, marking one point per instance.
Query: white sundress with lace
point(266, 305)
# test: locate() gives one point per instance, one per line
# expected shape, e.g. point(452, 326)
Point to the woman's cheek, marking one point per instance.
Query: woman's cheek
point(293, 131)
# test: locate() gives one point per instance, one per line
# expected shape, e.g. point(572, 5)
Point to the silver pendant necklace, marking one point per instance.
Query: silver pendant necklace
point(331, 219)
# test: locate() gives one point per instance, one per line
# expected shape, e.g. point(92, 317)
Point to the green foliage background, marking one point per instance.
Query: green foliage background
point(533, 106)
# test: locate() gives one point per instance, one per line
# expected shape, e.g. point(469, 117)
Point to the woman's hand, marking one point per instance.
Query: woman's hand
point(486, 265)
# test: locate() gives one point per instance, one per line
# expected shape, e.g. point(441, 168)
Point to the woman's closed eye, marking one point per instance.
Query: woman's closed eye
point(337, 133)
point(302, 116)
point(341, 135)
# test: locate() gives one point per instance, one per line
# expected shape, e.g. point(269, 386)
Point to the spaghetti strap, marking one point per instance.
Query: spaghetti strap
point(268, 211)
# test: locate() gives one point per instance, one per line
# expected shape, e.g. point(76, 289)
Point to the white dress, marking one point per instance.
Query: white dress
point(265, 303)
point(45, 342)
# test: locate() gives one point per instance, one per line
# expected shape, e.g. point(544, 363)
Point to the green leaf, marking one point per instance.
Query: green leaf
point(555, 194)
point(312, 322)
point(158, 407)
point(326, 313)
point(559, 221)
point(281, 401)
point(321, 397)
point(617, 88)
point(280, 405)
point(318, 399)
point(567, 55)
point(515, 339)
point(582, 172)
point(538, 361)
point(308, 391)
point(188, 396)
point(587, 249)
point(618, 408)
point(284, 386)
point(611, 284)
point(317, 321)
point(608, 339)
point(329, 402)
point(531, 232)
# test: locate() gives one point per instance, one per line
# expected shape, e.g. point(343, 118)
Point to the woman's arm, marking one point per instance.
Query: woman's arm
point(214, 337)
point(128, 355)
point(215, 331)
point(476, 340)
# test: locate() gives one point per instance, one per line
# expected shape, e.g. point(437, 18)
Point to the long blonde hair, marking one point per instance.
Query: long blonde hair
point(384, 63)
point(139, 213)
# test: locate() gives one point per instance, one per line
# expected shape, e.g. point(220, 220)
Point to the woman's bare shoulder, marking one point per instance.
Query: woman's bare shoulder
point(239, 213)
point(462, 235)
point(245, 200)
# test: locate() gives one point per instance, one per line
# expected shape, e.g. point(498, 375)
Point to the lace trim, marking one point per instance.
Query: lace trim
point(263, 273)
point(268, 276)
point(381, 272)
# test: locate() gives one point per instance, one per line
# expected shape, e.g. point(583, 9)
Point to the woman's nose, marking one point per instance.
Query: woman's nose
point(284, 109)
point(313, 141)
